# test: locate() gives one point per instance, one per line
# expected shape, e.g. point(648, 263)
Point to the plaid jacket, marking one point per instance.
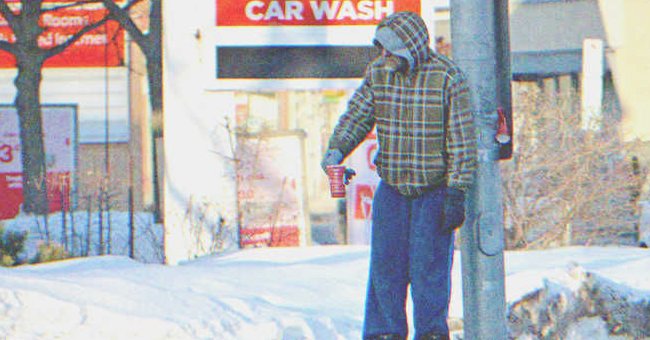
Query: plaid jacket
point(425, 126)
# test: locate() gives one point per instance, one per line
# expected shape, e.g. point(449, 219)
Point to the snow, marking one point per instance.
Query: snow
point(313, 292)
point(254, 294)
point(528, 270)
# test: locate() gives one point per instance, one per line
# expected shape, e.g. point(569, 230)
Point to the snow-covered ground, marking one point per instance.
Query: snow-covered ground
point(279, 293)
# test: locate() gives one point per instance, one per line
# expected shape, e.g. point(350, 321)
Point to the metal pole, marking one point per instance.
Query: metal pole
point(88, 225)
point(475, 49)
point(131, 224)
point(64, 225)
point(503, 72)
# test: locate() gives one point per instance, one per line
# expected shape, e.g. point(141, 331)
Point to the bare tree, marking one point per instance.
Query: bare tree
point(566, 185)
point(149, 39)
point(25, 22)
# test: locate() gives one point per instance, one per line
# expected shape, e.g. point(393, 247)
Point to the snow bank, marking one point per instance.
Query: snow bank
point(576, 304)
point(307, 293)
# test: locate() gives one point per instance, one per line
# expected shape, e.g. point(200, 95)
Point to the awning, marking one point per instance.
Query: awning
point(547, 62)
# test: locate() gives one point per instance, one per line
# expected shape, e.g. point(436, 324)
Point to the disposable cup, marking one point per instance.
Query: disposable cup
point(336, 173)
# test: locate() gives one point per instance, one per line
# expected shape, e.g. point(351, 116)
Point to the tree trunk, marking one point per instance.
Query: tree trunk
point(154, 78)
point(153, 52)
point(27, 103)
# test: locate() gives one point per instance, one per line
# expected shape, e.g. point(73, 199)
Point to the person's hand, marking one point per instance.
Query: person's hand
point(349, 173)
point(335, 157)
point(454, 208)
point(332, 157)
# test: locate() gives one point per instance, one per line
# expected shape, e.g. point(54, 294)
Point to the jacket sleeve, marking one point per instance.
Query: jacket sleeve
point(461, 134)
point(356, 122)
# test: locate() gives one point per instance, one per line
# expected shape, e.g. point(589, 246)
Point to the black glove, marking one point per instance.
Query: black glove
point(335, 157)
point(349, 173)
point(332, 157)
point(454, 208)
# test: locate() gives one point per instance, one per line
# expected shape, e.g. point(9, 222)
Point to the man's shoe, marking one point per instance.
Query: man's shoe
point(434, 336)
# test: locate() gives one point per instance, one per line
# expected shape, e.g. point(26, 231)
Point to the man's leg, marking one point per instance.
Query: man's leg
point(431, 255)
point(388, 279)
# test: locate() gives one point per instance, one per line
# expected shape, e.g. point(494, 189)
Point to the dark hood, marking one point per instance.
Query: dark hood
point(412, 31)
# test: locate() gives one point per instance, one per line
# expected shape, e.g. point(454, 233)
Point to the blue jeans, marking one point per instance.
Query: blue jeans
point(408, 245)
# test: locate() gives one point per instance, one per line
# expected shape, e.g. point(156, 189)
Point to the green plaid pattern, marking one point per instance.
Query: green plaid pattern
point(424, 124)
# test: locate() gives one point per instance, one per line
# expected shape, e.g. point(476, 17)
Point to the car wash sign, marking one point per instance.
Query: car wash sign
point(309, 12)
point(299, 44)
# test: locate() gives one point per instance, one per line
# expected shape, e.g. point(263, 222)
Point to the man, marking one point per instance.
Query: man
point(419, 103)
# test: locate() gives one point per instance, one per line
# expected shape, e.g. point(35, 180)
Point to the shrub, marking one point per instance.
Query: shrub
point(50, 252)
point(565, 184)
point(12, 243)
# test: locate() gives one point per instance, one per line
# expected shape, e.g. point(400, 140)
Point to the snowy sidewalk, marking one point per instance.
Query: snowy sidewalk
point(279, 293)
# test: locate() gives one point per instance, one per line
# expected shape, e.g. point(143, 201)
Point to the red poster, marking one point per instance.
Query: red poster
point(103, 46)
point(276, 236)
point(59, 124)
point(363, 196)
point(361, 190)
point(59, 188)
point(308, 12)
point(271, 191)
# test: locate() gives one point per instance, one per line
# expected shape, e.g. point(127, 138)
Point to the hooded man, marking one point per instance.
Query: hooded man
point(419, 103)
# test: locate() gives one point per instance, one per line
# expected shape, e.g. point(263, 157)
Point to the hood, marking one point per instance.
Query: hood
point(412, 33)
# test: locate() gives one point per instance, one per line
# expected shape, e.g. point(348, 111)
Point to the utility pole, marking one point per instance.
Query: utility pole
point(480, 46)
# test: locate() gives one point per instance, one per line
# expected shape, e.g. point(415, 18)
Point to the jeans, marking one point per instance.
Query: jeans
point(408, 245)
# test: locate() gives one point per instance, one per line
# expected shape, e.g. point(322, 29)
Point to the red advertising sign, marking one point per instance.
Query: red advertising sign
point(59, 135)
point(276, 236)
point(308, 12)
point(362, 190)
point(363, 195)
point(271, 191)
point(103, 46)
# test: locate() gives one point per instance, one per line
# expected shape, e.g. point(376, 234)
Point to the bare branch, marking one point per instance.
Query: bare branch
point(122, 15)
point(7, 13)
point(71, 5)
point(155, 20)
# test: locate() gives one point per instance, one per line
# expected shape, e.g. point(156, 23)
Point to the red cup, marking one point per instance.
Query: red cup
point(503, 135)
point(336, 173)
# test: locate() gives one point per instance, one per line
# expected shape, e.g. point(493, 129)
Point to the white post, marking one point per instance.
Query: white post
point(592, 83)
point(428, 14)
